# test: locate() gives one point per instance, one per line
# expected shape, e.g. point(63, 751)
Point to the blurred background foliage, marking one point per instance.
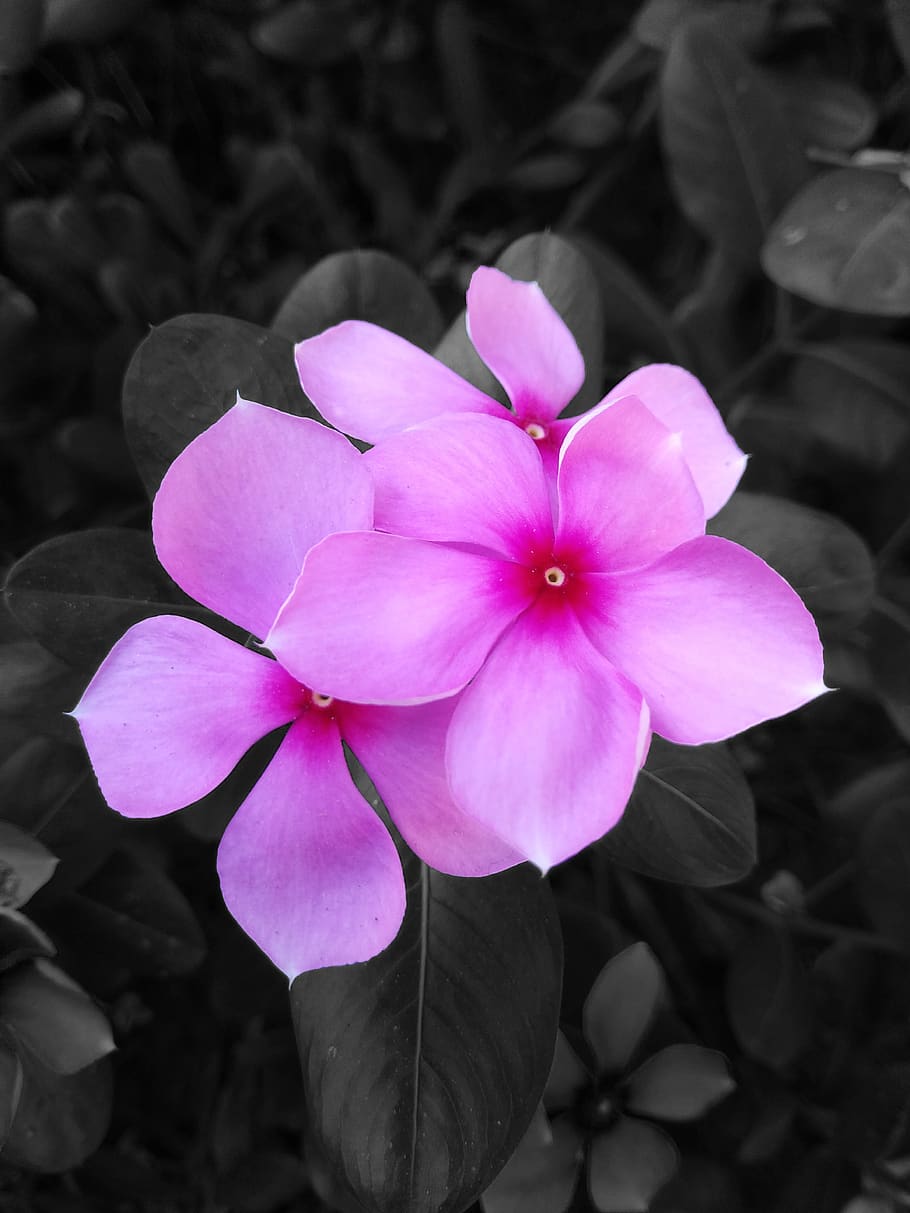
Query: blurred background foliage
point(725, 184)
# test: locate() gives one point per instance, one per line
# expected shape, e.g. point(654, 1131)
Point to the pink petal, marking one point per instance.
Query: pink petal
point(545, 745)
point(525, 343)
point(676, 398)
point(625, 493)
point(384, 619)
point(240, 507)
point(715, 639)
point(307, 868)
point(403, 751)
point(463, 479)
point(371, 383)
point(171, 711)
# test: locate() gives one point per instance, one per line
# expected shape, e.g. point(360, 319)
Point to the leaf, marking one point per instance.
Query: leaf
point(825, 561)
point(731, 154)
point(37, 688)
point(312, 34)
point(691, 818)
point(679, 1083)
point(152, 170)
point(187, 373)
point(570, 285)
point(423, 1067)
point(826, 112)
point(628, 1165)
point(586, 124)
point(852, 394)
point(61, 1118)
point(844, 242)
point(768, 998)
point(541, 1175)
point(89, 20)
point(889, 660)
point(10, 1089)
point(135, 916)
point(622, 1005)
point(546, 171)
point(20, 29)
point(53, 1018)
point(20, 939)
point(883, 870)
point(360, 284)
point(897, 13)
point(25, 866)
point(77, 594)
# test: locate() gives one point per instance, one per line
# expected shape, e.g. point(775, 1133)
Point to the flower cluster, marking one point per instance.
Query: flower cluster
point(492, 608)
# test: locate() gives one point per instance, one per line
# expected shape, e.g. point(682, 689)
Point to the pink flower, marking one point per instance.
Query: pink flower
point(371, 383)
point(307, 868)
point(575, 629)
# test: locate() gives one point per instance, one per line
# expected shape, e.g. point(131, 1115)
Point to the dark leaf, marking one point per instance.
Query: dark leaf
point(89, 20)
point(25, 865)
point(541, 1175)
point(825, 561)
point(20, 30)
point(889, 660)
point(53, 1018)
point(768, 997)
point(46, 119)
point(874, 1114)
point(657, 23)
point(585, 124)
point(187, 373)
point(844, 242)
point(77, 594)
point(883, 870)
point(852, 394)
point(826, 112)
point(154, 174)
point(10, 1089)
point(732, 156)
point(37, 688)
point(691, 818)
point(360, 284)
point(21, 940)
point(898, 15)
point(61, 1118)
point(546, 171)
point(423, 1066)
point(312, 34)
point(462, 77)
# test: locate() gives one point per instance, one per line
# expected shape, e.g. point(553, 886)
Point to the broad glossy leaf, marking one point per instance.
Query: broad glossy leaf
point(25, 865)
point(360, 284)
point(825, 561)
point(883, 870)
point(54, 1018)
point(768, 997)
point(628, 1165)
point(541, 1175)
point(691, 818)
point(77, 594)
point(679, 1083)
point(187, 373)
point(569, 283)
point(423, 1066)
point(734, 162)
point(622, 1005)
point(844, 242)
point(852, 394)
point(135, 916)
point(61, 1118)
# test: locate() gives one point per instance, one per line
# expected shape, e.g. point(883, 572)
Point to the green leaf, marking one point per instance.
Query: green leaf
point(422, 1068)
point(889, 659)
point(826, 112)
point(187, 373)
point(733, 160)
point(37, 689)
point(152, 170)
point(77, 594)
point(621, 1007)
point(691, 818)
point(53, 1018)
point(679, 1083)
point(10, 1089)
point(628, 1165)
point(61, 1118)
point(360, 284)
point(844, 242)
point(89, 20)
point(25, 866)
point(852, 394)
point(20, 939)
point(315, 33)
point(768, 997)
point(883, 870)
point(541, 1175)
point(825, 561)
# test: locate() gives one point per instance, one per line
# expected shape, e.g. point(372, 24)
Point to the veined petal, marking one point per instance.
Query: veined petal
point(171, 711)
point(307, 868)
point(676, 398)
point(463, 479)
point(714, 638)
point(242, 505)
point(371, 383)
point(525, 343)
point(403, 751)
point(380, 618)
point(625, 492)
point(545, 745)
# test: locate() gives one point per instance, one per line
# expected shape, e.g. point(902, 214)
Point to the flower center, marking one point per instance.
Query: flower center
point(535, 430)
point(321, 701)
point(554, 575)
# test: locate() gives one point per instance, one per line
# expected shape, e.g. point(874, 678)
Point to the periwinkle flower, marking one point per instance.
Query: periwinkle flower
point(573, 621)
point(306, 866)
point(371, 383)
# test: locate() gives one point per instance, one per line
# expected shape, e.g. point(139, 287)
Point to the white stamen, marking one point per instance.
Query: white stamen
point(322, 701)
point(536, 431)
point(554, 575)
